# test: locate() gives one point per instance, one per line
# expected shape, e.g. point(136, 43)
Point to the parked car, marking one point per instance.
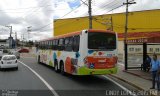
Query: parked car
point(1, 53)
point(23, 50)
point(9, 61)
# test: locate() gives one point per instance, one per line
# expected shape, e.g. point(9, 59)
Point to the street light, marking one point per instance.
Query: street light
point(28, 30)
point(10, 37)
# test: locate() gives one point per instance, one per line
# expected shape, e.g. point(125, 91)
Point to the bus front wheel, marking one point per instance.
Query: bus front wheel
point(56, 66)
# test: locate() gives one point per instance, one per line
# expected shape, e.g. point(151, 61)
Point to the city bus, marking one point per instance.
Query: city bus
point(86, 52)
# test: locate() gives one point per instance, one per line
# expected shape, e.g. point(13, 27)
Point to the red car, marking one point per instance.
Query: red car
point(23, 50)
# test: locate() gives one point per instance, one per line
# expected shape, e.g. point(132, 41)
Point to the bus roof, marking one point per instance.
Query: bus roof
point(77, 33)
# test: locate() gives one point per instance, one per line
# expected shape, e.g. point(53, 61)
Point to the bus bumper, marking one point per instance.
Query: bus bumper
point(87, 71)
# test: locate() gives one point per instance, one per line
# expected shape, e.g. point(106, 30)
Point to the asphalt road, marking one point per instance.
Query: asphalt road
point(25, 83)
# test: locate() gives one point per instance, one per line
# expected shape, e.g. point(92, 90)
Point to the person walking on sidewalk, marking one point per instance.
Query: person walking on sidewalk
point(154, 69)
point(147, 62)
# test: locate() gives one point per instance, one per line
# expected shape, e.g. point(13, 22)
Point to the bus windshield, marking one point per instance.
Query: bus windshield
point(99, 40)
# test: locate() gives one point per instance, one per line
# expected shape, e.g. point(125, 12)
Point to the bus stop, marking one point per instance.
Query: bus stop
point(138, 49)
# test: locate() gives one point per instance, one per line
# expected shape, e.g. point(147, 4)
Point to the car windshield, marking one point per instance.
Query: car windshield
point(99, 40)
point(9, 58)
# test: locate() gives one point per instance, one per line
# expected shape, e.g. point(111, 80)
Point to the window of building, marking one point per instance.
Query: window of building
point(131, 49)
point(151, 49)
point(157, 49)
point(138, 49)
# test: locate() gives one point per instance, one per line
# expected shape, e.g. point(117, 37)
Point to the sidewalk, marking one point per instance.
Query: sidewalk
point(137, 78)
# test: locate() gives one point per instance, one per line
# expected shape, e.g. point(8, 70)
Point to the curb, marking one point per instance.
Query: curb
point(137, 75)
point(134, 85)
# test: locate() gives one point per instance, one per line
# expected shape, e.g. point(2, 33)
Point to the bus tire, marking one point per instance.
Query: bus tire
point(56, 66)
point(39, 60)
point(62, 68)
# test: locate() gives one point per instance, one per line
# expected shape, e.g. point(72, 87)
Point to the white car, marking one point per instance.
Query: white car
point(9, 61)
point(1, 53)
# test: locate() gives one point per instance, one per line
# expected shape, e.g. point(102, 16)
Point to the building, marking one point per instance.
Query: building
point(4, 43)
point(141, 24)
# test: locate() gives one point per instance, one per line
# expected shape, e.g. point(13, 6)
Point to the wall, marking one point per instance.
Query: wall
point(138, 22)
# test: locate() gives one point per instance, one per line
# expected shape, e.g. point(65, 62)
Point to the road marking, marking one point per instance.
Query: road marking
point(41, 78)
point(124, 88)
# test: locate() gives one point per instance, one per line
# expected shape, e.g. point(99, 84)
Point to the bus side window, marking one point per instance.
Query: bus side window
point(54, 44)
point(42, 45)
point(68, 44)
point(49, 43)
point(76, 44)
point(61, 44)
point(46, 44)
point(57, 42)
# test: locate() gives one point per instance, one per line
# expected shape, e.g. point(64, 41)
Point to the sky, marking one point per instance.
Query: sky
point(20, 14)
point(39, 14)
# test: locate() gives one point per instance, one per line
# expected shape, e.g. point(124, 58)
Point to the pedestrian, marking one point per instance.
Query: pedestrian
point(146, 65)
point(158, 79)
point(154, 69)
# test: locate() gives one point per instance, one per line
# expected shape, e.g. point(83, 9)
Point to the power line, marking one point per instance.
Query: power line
point(43, 27)
point(72, 10)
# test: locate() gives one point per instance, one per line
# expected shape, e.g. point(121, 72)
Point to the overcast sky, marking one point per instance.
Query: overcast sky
point(39, 14)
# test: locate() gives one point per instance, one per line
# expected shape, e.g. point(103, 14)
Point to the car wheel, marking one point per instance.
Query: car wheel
point(16, 68)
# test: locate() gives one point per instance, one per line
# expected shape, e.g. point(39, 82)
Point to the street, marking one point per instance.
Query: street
point(25, 82)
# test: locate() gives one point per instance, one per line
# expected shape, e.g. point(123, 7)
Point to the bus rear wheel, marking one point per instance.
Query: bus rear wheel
point(62, 68)
point(56, 66)
point(39, 60)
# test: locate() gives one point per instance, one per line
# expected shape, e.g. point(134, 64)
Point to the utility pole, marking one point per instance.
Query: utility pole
point(126, 34)
point(23, 40)
point(90, 13)
point(10, 27)
point(28, 30)
point(10, 37)
point(15, 40)
point(111, 23)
